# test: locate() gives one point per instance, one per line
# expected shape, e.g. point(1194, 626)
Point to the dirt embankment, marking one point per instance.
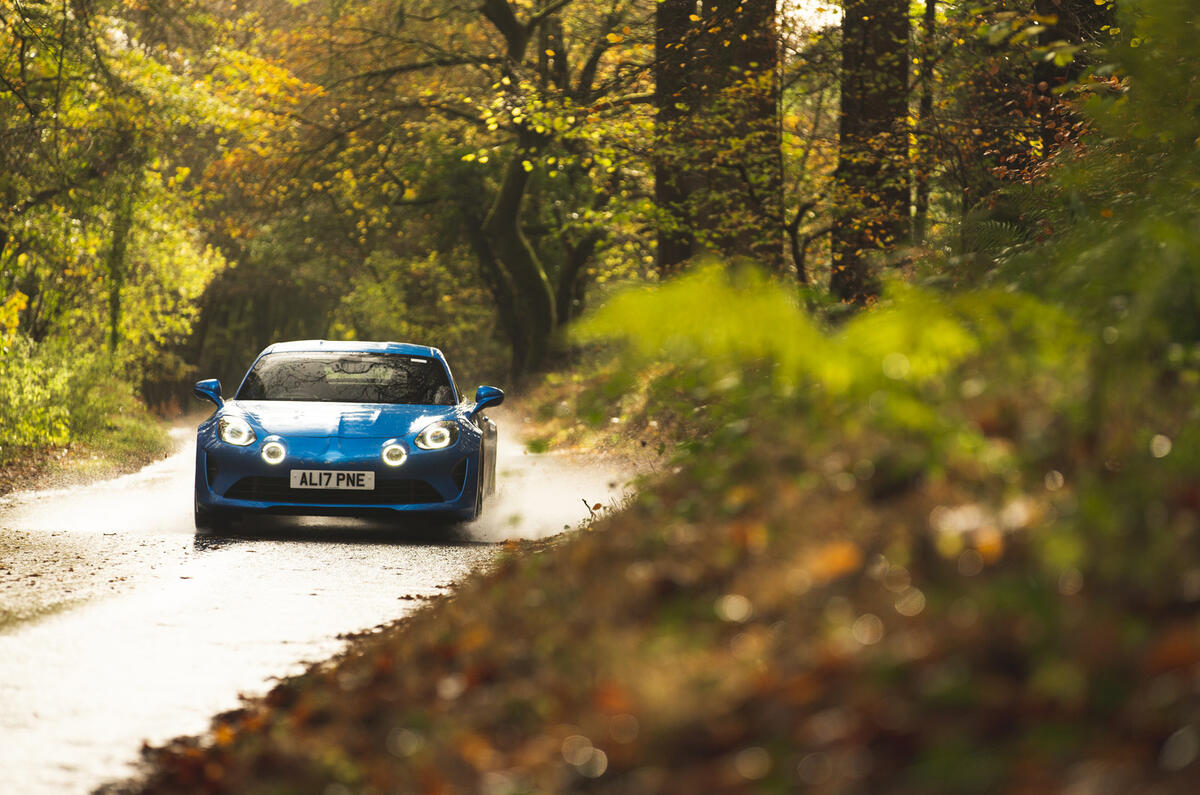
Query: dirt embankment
point(31, 470)
point(80, 463)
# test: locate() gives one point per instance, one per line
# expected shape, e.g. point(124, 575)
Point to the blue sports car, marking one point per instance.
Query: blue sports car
point(345, 428)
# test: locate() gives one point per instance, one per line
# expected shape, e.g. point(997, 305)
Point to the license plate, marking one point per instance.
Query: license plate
point(329, 479)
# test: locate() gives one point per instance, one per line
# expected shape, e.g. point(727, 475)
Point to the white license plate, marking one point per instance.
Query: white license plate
point(329, 479)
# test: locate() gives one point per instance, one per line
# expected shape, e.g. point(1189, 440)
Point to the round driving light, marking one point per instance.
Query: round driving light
point(394, 455)
point(273, 452)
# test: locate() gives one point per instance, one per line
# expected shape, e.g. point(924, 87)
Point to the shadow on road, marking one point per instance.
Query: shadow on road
point(416, 530)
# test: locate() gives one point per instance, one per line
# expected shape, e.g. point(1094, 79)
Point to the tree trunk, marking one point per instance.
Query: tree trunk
point(552, 55)
point(569, 295)
point(1077, 22)
point(872, 169)
point(534, 299)
point(719, 158)
point(743, 199)
point(503, 294)
point(674, 101)
point(924, 164)
point(116, 261)
point(502, 227)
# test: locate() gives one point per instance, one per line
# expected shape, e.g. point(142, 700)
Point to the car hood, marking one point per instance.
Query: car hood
point(345, 420)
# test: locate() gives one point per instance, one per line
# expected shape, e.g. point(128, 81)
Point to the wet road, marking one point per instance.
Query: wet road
point(118, 625)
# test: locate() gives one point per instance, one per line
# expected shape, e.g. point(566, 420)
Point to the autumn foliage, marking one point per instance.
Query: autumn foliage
point(926, 515)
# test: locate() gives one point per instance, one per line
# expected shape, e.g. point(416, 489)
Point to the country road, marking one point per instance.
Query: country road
point(118, 625)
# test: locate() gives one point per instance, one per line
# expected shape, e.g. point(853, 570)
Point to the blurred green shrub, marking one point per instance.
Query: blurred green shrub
point(894, 364)
point(53, 395)
point(97, 397)
point(999, 386)
point(33, 392)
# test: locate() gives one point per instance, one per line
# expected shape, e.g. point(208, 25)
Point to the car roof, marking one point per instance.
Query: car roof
point(353, 346)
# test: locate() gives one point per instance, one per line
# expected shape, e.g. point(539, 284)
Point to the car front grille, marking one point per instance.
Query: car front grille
point(386, 492)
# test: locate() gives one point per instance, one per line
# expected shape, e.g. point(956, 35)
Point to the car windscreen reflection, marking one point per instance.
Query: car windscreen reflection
point(348, 378)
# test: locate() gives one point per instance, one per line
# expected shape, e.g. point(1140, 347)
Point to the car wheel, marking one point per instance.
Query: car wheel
point(209, 520)
point(478, 492)
point(491, 466)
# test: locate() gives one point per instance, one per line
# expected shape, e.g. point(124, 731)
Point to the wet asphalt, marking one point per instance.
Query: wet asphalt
point(119, 625)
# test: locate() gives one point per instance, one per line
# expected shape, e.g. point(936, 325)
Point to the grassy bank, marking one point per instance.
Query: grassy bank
point(125, 444)
point(68, 414)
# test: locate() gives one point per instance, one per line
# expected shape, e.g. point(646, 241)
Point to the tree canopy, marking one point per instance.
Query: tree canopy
point(185, 183)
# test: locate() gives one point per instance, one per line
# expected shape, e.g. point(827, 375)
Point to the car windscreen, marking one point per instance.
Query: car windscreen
point(348, 378)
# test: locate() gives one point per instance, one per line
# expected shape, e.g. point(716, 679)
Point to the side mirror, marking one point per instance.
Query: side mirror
point(209, 390)
point(485, 397)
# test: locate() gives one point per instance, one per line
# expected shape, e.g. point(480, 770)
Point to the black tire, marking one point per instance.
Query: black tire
point(478, 491)
point(211, 521)
point(491, 471)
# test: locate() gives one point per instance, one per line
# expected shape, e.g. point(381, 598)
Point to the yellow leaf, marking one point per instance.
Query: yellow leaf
point(833, 560)
point(989, 542)
point(225, 735)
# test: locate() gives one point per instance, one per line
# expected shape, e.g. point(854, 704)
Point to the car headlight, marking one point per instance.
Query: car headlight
point(235, 430)
point(273, 451)
point(394, 454)
point(438, 436)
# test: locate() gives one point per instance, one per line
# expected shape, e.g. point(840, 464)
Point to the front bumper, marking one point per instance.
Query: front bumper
point(230, 478)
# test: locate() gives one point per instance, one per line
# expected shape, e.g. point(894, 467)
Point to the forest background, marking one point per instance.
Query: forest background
point(183, 183)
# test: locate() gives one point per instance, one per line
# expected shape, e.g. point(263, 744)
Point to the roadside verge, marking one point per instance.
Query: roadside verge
point(775, 611)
